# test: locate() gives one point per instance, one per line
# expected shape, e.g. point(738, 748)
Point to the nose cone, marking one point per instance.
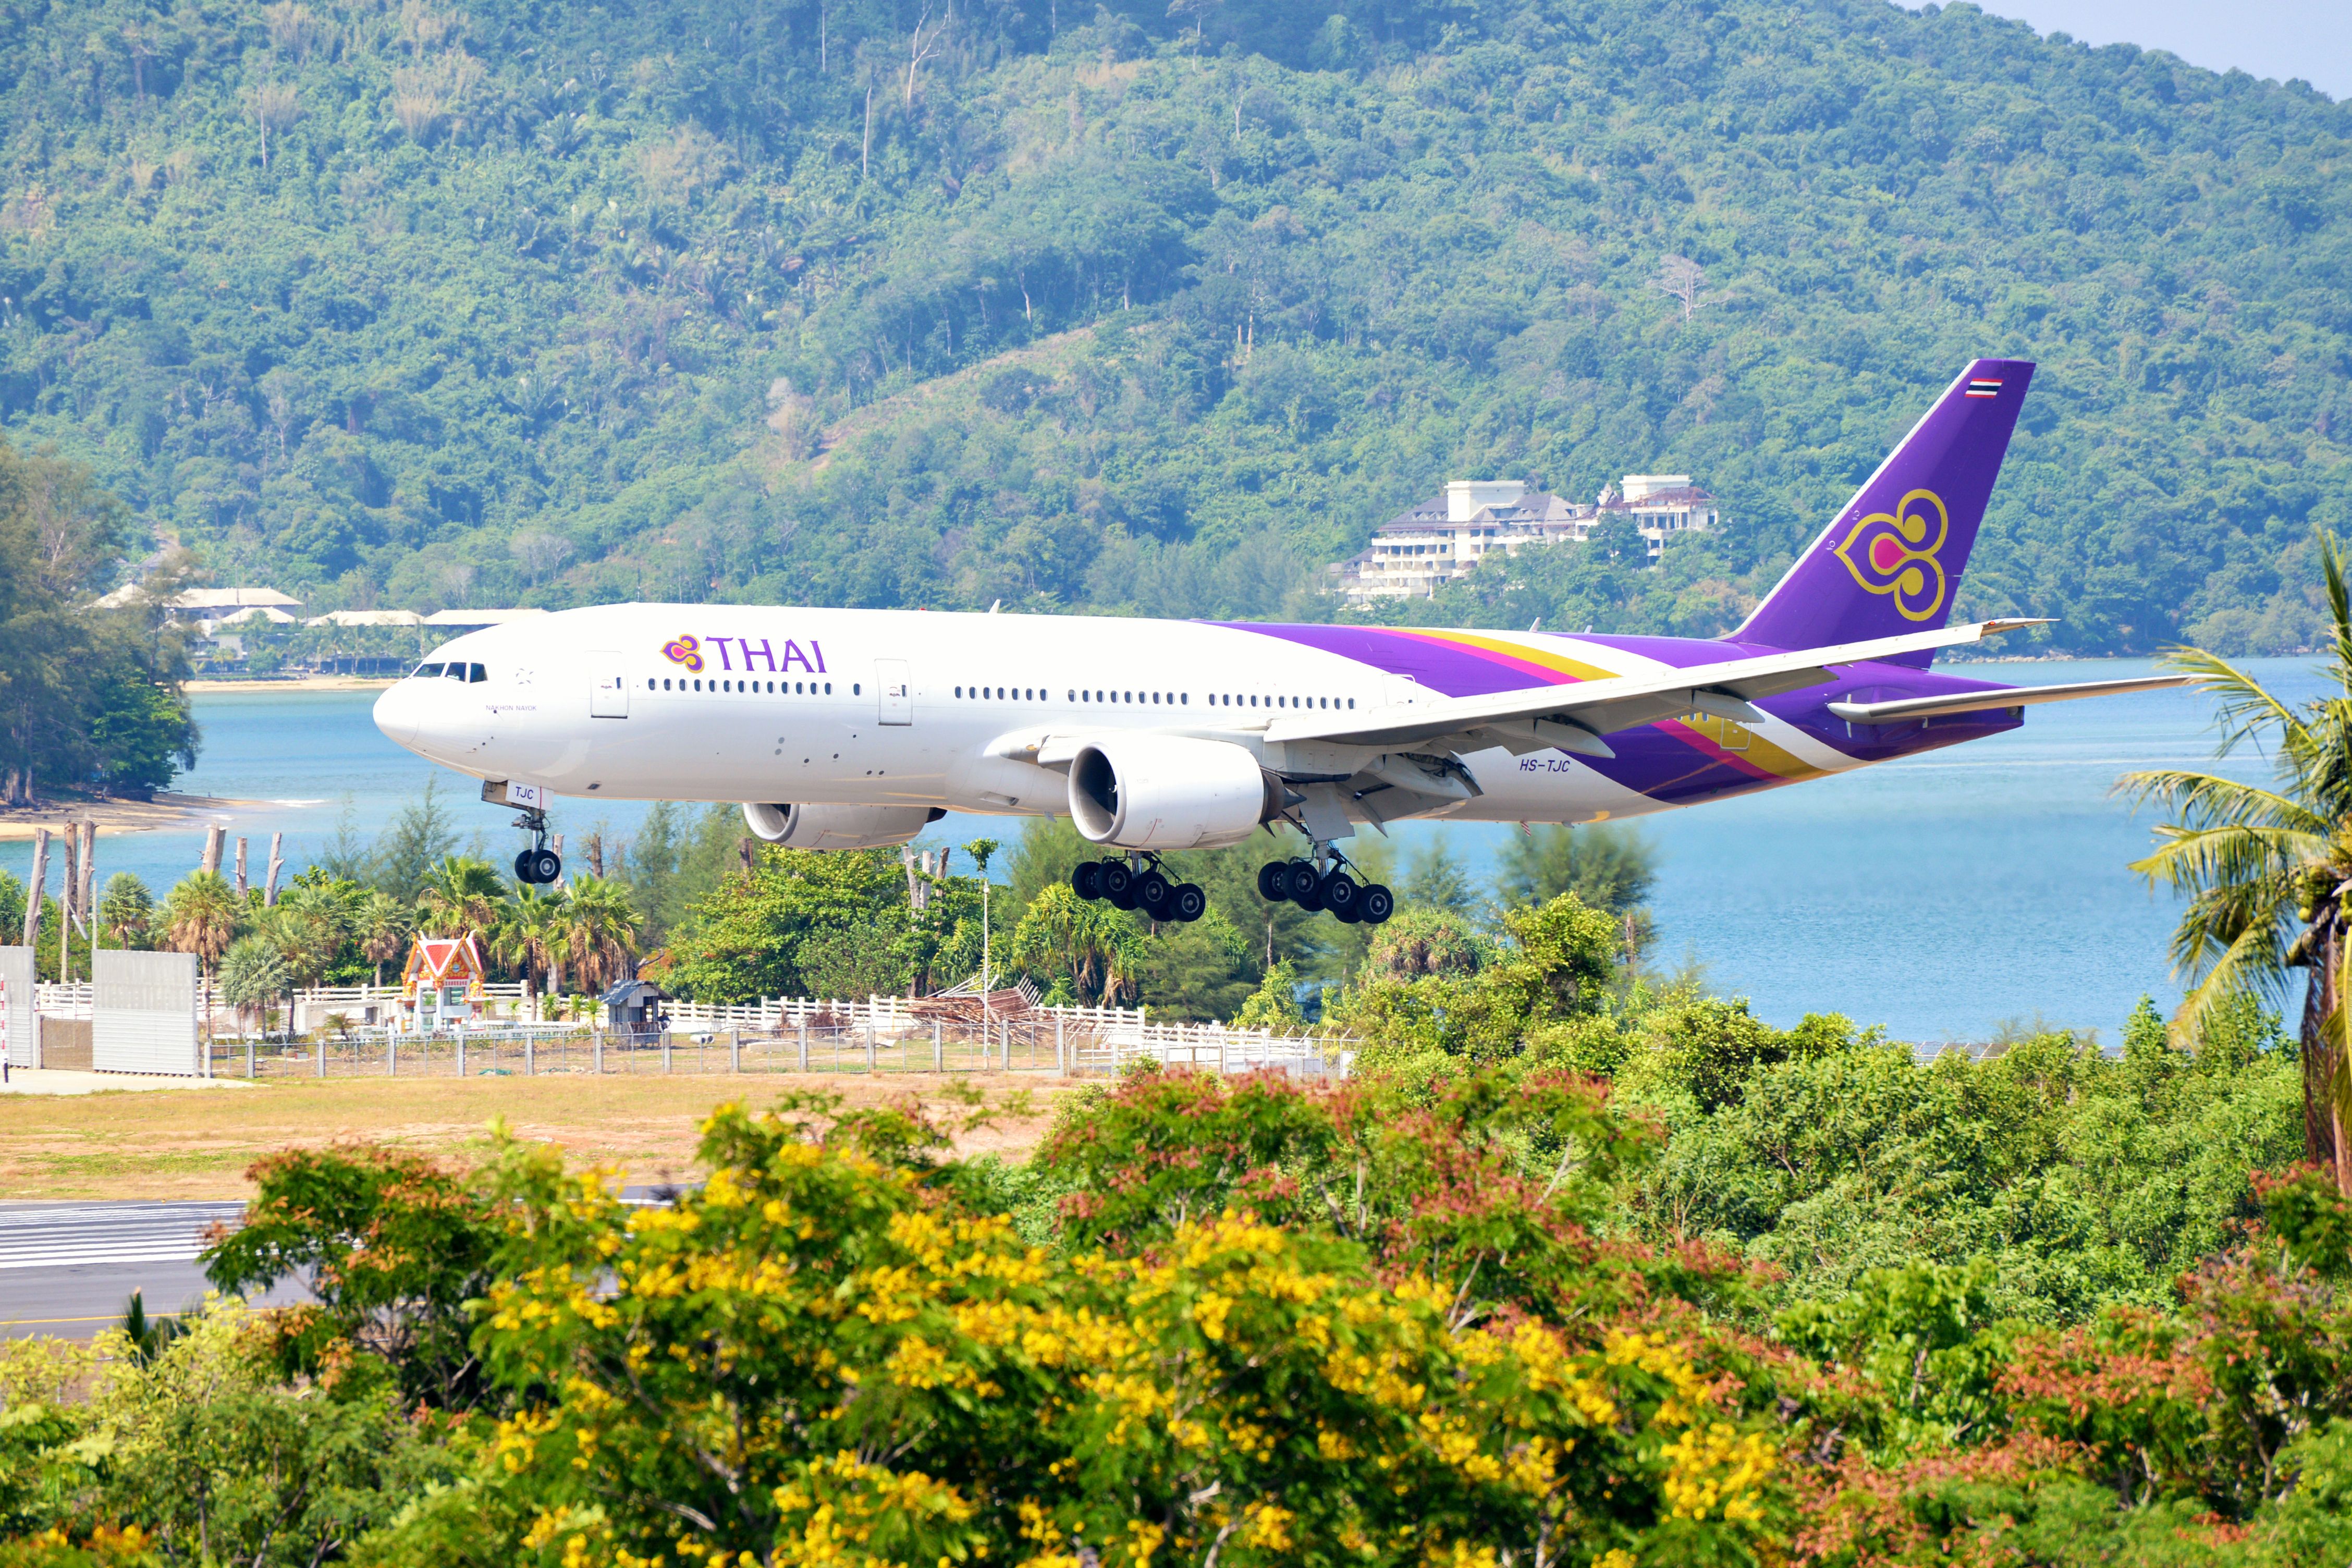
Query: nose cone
point(399, 712)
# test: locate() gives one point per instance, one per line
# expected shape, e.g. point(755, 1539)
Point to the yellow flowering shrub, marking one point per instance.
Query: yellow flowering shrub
point(821, 1357)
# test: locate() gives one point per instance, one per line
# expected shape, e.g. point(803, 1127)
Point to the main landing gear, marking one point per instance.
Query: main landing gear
point(1137, 883)
point(1311, 887)
point(538, 864)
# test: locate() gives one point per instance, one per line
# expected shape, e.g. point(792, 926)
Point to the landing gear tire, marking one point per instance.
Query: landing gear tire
point(522, 868)
point(1117, 884)
point(1087, 880)
point(1339, 893)
point(1305, 884)
point(1274, 882)
point(1152, 891)
point(1376, 904)
point(1188, 902)
point(546, 866)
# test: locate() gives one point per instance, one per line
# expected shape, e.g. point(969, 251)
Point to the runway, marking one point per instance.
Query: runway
point(69, 1270)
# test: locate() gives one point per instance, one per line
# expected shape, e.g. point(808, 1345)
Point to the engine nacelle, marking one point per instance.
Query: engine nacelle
point(839, 826)
point(1167, 791)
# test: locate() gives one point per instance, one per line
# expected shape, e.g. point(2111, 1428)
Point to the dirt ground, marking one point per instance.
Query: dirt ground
point(193, 1144)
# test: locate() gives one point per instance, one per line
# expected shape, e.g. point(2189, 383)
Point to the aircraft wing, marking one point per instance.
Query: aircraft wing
point(1573, 717)
point(1903, 710)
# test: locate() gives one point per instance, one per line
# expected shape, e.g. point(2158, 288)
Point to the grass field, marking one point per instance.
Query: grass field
point(198, 1144)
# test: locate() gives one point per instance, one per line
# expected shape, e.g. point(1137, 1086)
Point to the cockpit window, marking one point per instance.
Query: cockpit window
point(456, 672)
point(475, 674)
point(426, 671)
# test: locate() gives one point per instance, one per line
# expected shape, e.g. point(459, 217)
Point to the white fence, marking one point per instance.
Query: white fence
point(878, 1033)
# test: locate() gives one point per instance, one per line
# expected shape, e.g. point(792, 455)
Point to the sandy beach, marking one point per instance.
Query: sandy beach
point(294, 683)
point(165, 812)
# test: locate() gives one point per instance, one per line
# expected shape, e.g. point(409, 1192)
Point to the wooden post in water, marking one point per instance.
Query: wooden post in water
point(277, 864)
point(240, 866)
point(89, 890)
point(37, 887)
point(66, 892)
point(214, 833)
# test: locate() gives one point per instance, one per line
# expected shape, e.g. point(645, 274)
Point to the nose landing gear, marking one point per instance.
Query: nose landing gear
point(1138, 882)
point(538, 865)
point(1323, 883)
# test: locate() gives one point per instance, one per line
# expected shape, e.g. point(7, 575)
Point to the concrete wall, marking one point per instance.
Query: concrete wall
point(17, 971)
point(145, 1013)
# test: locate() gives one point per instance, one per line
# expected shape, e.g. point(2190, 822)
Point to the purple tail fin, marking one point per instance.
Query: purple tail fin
point(1891, 560)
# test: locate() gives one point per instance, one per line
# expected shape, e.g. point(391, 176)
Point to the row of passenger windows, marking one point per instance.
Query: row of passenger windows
point(777, 688)
point(472, 674)
point(1165, 698)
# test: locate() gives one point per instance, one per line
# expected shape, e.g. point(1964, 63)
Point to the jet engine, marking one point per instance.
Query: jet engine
point(1168, 791)
point(839, 826)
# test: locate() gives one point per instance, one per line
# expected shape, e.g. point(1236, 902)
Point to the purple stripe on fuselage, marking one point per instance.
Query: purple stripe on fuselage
point(1651, 760)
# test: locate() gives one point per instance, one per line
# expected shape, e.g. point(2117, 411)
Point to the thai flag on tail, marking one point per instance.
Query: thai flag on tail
point(1982, 386)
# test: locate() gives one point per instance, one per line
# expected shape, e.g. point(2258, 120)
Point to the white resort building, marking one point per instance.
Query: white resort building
point(1420, 550)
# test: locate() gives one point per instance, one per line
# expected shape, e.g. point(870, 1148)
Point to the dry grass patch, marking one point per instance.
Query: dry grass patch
point(198, 1144)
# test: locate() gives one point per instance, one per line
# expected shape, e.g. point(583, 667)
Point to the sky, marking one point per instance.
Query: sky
point(2275, 38)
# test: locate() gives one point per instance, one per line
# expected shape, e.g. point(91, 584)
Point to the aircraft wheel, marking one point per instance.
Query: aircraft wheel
point(1343, 896)
point(1156, 895)
point(1274, 882)
point(523, 873)
point(1305, 885)
point(1378, 903)
point(546, 866)
point(1117, 884)
point(1086, 880)
point(1188, 902)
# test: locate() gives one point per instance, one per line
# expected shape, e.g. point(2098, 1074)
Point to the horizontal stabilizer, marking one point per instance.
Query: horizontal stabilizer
point(1903, 709)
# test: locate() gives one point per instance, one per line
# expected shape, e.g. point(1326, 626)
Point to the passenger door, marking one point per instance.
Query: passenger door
point(894, 691)
point(608, 697)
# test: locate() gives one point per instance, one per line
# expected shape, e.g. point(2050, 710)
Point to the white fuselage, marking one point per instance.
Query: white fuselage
point(919, 708)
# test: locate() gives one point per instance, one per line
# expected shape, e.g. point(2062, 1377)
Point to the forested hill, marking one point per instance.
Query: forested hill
point(882, 301)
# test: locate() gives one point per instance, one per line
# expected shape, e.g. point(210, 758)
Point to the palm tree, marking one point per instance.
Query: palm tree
point(253, 974)
point(1095, 944)
point(460, 895)
point(528, 935)
point(308, 927)
point(381, 923)
point(600, 929)
point(2268, 872)
point(201, 916)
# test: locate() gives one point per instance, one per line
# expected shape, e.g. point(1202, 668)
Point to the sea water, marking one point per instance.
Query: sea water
point(1942, 896)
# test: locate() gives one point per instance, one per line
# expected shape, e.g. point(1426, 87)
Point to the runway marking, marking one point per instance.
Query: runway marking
point(72, 1236)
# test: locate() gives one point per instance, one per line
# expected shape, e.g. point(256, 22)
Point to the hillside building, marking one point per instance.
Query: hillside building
point(1428, 545)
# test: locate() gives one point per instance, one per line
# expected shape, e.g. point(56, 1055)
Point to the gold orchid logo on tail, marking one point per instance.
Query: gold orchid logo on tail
point(1895, 553)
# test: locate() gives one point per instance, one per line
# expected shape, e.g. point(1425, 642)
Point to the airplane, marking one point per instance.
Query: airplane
point(857, 729)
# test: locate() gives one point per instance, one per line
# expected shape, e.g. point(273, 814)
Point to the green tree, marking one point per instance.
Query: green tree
point(1100, 951)
point(459, 897)
point(201, 915)
point(1606, 865)
point(2265, 870)
point(743, 940)
point(420, 838)
point(126, 911)
point(381, 926)
point(600, 929)
point(252, 975)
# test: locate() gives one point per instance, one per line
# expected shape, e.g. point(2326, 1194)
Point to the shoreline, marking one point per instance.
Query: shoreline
point(115, 818)
point(294, 683)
